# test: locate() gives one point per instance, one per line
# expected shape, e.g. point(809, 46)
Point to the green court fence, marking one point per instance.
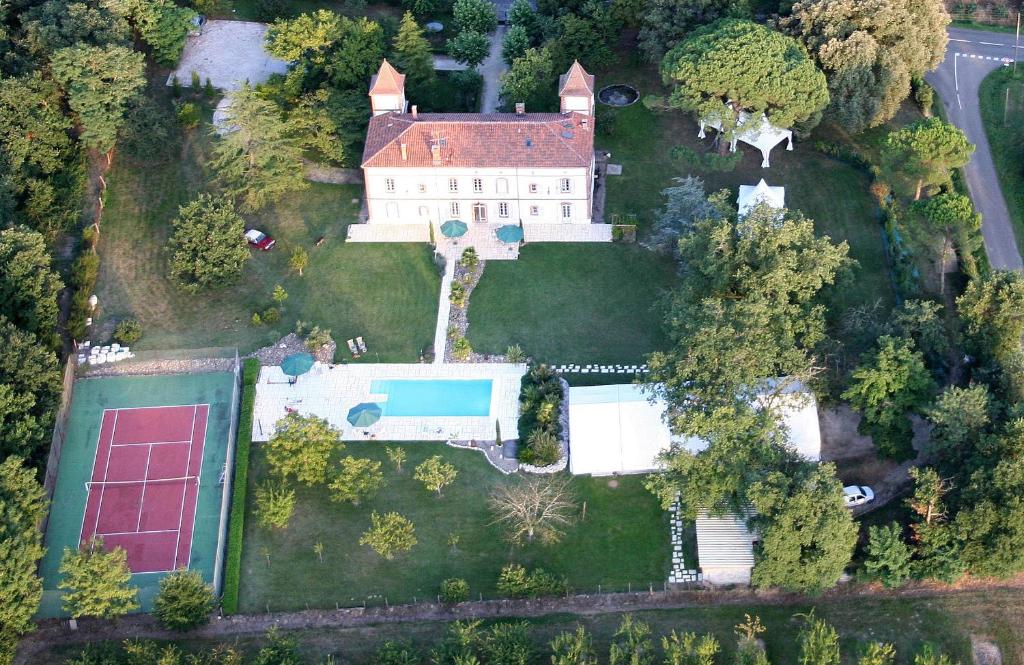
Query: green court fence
point(225, 501)
point(233, 565)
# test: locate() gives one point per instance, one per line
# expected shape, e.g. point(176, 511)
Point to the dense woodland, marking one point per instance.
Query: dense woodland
point(78, 89)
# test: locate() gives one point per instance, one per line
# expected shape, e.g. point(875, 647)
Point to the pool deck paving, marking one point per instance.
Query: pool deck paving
point(329, 391)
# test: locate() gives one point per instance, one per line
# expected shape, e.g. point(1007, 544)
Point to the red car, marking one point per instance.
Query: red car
point(259, 239)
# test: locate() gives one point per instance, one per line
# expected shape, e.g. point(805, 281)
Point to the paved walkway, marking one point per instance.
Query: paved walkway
point(444, 309)
point(491, 69)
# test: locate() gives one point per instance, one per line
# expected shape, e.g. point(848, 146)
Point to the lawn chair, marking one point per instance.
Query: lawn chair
point(361, 344)
point(353, 349)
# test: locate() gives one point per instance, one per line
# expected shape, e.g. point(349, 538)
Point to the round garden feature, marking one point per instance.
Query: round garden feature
point(618, 94)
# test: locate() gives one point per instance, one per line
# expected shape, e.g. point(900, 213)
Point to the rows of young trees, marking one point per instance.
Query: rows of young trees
point(515, 643)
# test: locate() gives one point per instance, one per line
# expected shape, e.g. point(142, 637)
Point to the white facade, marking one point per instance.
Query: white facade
point(483, 195)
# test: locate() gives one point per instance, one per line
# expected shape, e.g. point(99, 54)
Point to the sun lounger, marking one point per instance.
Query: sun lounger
point(361, 344)
point(353, 349)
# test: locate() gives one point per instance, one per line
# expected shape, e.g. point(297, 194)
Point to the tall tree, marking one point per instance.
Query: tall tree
point(992, 311)
point(100, 83)
point(28, 284)
point(56, 24)
point(389, 534)
point(888, 556)
point(469, 47)
point(531, 80)
point(164, 26)
point(960, 418)
point(302, 447)
point(410, 53)
point(515, 43)
point(208, 244)
point(819, 643)
point(807, 532)
point(357, 478)
point(750, 295)
point(949, 214)
point(889, 383)
point(29, 390)
point(870, 51)
point(686, 202)
point(258, 160)
point(926, 150)
point(95, 582)
point(21, 548)
point(311, 124)
point(582, 39)
point(476, 15)
point(733, 66)
point(307, 35)
point(435, 473)
point(357, 53)
point(664, 23)
point(33, 131)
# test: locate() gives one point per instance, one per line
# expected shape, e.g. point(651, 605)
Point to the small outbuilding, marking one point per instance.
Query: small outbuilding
point(752, 196)
point(725, 549)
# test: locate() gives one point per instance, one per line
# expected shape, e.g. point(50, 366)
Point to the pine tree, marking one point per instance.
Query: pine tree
point(411, 55)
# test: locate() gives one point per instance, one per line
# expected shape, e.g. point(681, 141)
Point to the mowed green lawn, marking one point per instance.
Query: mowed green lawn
point(573, 303)
point(386, 293)
point(623, 540)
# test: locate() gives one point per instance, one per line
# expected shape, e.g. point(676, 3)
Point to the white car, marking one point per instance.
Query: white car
point(857, 495)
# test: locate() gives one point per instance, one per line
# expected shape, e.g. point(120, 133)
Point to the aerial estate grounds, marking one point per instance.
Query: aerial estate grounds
point(621, 540)
point(385, 293)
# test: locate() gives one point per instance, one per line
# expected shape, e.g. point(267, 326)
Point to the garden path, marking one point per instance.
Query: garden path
point(444, 307)
point(491, 69)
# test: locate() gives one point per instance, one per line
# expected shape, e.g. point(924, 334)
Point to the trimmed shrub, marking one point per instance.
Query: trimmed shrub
point(233, 562)
point(454, 590)
point(127, 332)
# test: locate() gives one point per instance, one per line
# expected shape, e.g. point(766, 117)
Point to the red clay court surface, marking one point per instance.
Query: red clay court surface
point(145, 483)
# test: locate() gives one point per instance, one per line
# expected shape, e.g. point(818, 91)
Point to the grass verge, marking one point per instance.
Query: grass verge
point(239, 487)
point(1004, 127)
point(622, 539)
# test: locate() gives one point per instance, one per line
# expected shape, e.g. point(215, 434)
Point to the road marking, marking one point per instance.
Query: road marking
point(965, 41)
point(956, 79)
point(958, 101)
point(992, 44)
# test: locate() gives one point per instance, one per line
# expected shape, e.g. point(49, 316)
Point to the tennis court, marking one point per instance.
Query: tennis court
point(143, 467)
point(145, 482)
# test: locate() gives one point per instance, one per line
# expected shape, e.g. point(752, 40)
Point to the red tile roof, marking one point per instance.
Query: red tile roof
point(576, 81)
point(387, 80)
point(481, 140)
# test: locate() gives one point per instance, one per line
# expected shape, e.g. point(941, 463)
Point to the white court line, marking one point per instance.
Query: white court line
point(106, 470)
point(164, 406)
point(145, 481)
point(147, 443)
point(135, 533)
point(184, 491)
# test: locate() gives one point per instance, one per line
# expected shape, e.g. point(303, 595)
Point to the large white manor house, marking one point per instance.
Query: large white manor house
point(497, 168)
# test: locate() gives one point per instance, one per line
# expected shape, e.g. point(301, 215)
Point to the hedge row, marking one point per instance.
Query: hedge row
point(233, 564)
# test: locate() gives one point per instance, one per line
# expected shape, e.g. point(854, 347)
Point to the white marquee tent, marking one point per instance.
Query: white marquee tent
point(753, 195)
point(617, 429)
point(762, 135)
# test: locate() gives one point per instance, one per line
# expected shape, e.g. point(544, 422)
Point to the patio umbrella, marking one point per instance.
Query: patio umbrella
point(454, 228)
point(364, 415)
point(510, 233)
point(296, 364)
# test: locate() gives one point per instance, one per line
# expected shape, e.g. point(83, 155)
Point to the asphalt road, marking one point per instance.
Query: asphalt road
point(971, 55)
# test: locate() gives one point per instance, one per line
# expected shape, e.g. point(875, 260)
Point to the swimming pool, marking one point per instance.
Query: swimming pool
point(434, 397)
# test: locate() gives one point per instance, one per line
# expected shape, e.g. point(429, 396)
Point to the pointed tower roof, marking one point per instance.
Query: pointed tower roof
point(576, 81)
point(387, 81)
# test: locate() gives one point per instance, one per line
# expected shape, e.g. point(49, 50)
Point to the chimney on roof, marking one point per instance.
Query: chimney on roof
point(405, 150)
point(520, 108)
point(435, 154)
point(415, 112)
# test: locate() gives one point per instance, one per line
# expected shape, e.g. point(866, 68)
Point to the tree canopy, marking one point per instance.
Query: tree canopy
point(305, 35)
point(184, 600)
point(95, 582)
point(469, 47)
point(529, 81)
point(23, 505)
point(208, 247)
point(664, 23)
point(870, 51)
point(410, 54)
point(100, 82)
point(476, 15)
point(749, 66)
point(301, 448)
point(926, 150)
point(28, 284)
point(258, 159)
point(29, 390)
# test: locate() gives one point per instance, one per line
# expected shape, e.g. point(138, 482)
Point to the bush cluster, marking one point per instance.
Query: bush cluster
point(517, 582)
point(540, 404)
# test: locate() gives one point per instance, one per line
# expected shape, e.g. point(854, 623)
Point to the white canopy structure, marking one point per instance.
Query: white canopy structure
point(725, 548)
point(753, 195)
point(762, 135)
point(617, 429)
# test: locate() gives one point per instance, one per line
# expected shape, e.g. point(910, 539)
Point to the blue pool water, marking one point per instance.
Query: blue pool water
point(442, 397)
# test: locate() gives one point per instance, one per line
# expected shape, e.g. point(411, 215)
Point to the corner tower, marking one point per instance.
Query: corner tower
point(576, 90)
point(387, 90)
